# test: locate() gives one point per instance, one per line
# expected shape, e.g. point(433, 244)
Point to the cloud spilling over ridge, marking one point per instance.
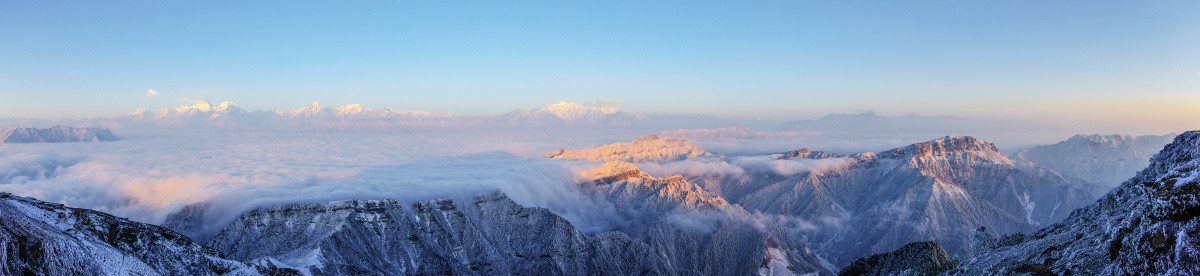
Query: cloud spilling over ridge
point(787, 167)
point(147, 178)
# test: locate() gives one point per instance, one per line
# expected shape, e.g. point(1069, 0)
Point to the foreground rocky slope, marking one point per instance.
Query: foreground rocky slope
point(1146, 226)
point(918, 258)
point(40, 238)
point(57, 134)
point(643, 149)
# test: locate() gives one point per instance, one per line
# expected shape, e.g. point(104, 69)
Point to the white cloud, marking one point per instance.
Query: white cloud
point(146, 178)
point(151, 93)
point(786, 167)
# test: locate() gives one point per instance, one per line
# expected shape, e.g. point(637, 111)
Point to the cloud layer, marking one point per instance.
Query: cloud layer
point(147, 178)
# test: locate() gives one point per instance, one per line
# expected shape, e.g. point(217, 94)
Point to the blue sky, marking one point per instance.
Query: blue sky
point(1087, 61)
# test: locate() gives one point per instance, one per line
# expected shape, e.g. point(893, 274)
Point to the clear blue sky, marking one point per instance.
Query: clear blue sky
point(764, 59)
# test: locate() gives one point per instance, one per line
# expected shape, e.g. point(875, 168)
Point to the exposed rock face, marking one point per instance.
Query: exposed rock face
point(624, 185)
point(40, 238)
point(1148, 225)
point(918, 258)
point(492, 235)
point(57, 134)
point(643, 149)
point(674, 229)
point(1106, 160)
point(940, 190)
point(697, 232)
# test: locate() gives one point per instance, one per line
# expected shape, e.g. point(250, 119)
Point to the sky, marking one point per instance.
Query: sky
point(1087, 62)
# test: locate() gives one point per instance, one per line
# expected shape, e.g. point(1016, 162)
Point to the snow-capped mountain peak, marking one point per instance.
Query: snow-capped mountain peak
point(964, 148)
point(350, 109)
point(572, 111)
point(311, 110)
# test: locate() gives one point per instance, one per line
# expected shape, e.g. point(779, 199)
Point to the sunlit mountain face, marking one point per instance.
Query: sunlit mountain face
point(599, 138)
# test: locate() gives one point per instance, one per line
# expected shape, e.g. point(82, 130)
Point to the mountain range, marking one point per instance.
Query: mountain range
point(1146, 226)
point(875, 202)
point(56, 134)
point(952, 205)
point(1104, 160)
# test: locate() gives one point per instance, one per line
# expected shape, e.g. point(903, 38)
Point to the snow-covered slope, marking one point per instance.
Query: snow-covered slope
point(488, 236)
point(940, 190)
point(40, 238)
point(1149, 225)
point(56, 134)
point(698, 232)
point(1104, 160)
point(647, 148)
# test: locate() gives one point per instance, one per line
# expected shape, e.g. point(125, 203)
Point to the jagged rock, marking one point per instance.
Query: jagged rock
point(1146, 226)
point(918, 258)
point(941, 190)
point(1104, 160)
point(40, 238)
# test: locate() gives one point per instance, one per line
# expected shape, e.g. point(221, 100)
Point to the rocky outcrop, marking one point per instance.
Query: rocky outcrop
point(40, 238)
point(918, 258)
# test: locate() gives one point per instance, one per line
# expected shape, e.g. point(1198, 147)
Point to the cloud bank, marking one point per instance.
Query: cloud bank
point(147, 178)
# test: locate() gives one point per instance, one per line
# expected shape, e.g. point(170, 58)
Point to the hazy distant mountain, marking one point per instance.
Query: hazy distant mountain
point(40, 238)
point(203, 115)
point(643, 149)
point(56, 134)
point(1146, 226)
point(1104, 160)
point(570, 114)
point(871, 123)
point(940, 190)
point(732, 132)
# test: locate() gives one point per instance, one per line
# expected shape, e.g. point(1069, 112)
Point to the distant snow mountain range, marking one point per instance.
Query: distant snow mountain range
point(56, 134)
point(203, 115)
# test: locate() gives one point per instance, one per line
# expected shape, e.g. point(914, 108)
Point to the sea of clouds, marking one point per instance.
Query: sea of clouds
point(147, 177)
